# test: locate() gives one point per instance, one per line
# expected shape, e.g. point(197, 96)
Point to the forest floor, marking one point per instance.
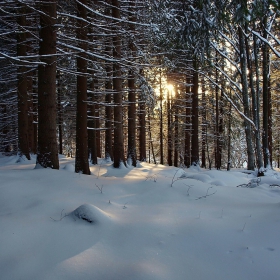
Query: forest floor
point(152, 222)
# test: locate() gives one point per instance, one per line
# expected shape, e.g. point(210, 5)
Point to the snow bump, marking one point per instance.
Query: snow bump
point(90, 214)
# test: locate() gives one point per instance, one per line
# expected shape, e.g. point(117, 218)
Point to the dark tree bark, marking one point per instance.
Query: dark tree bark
point(81, 162)
point(176, 134)
point(108, 98)
point(194, 138)
point(117, 87)
point(93, 124)
point(218, 154)
point(35, 113)
point(31, 124)
point(47, 155)
point(245, 97)
point(187, 152)
point(266, 95)
point(23, 143)
point(169, 130)
point(161, 119)
point(108, 116)
point(131, 140)
point(229, 136)
point(142, 127)
point(59, 113)
point(151, 144)
point(255, 99)
point(204, 128)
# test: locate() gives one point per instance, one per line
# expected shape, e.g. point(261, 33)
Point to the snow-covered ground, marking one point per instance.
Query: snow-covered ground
point(143, 223)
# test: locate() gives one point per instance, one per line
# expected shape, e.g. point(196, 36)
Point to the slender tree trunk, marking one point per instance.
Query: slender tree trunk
point(59, 113)
point(47, 155)
point(108, 116)
point(117, 86)
point(131, 140)
point(256, 101)
point(150, 136)
point(187, 153)
point(265, 67)
point(31, 132)
point(23, 144)
point(204, 128)
point(245, 95)
point(81, 162)
point(176, 138)
point(169, 130)
point(97, 119)
point(161, 118)
point(270, 142)
point(92, 141)
point(35, 113)
point(142, 127)
point(108, 96)
point(218, 155)
point(229, 138)
point(194, 138)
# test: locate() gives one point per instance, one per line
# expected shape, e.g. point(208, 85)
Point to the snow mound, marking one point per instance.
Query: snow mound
point(218, 183)
point(69, 167)
point(91, 214)
point(205, 178)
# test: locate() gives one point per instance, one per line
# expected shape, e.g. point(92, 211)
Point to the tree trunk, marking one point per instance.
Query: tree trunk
point(169, 130)
point(108, 116)
point(92, 126)
point(229, 137)
point(161, 118)
point(47, 155)
point(31, 131)
point(81, 162)
point(117, 86)
point(150, 137)
point(218, 154)
point(266, 102)
point(256, 102)
point(245, 96)
point(187, 152)
point(204, 128)
point(131, 139)
point(142, 122)
point(59, 113)
point(23, 143)
point(176, 138)
point(194, 138)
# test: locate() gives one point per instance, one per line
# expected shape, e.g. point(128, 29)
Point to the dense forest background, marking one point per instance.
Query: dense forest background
point(173, 82)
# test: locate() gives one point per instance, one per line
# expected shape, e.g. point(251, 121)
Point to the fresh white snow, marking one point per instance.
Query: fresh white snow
point(152, 222)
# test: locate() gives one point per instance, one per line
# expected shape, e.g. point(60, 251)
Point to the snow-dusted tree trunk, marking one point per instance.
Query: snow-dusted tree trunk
point(195, 112)
point(256, 102)
point(161, 117)
point(245, 96)
point(169, 130)
point(81, 162)
point(47, 155)
point(266, 99)
point(187, 147)
point(131, 133)
point(108, 96)
point(176, 132)
point(117, 87)
point(23, 143)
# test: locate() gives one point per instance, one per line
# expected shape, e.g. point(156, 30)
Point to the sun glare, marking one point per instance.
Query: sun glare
point(170, 87)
